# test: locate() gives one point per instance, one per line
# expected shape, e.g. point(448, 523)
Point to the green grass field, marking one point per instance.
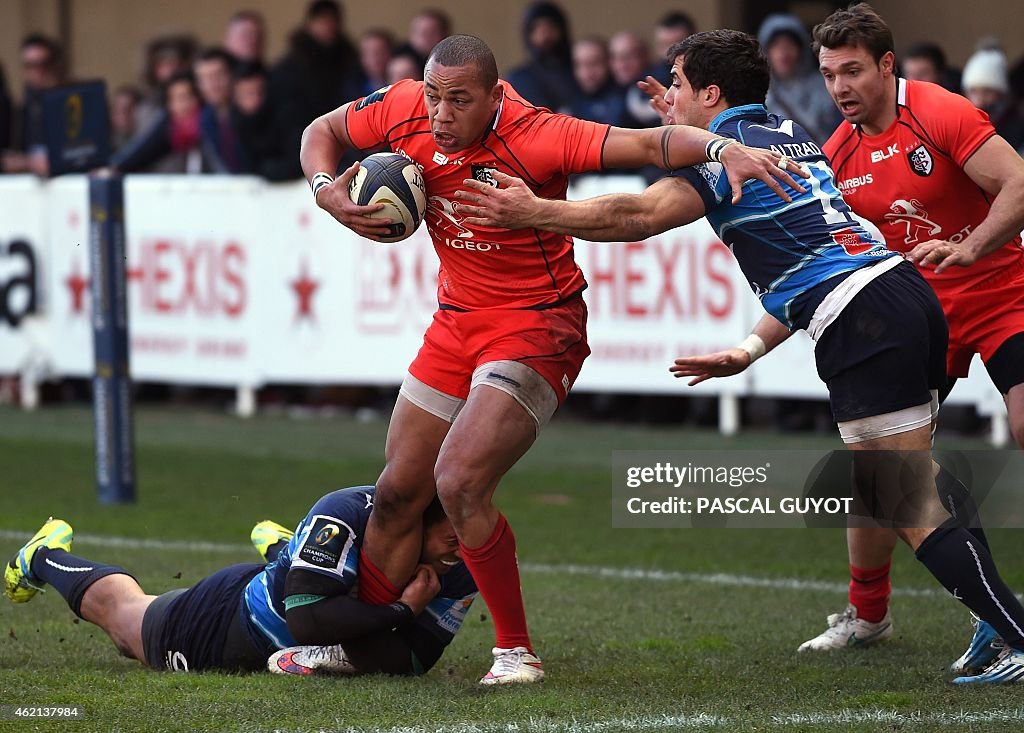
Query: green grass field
point(703, 639)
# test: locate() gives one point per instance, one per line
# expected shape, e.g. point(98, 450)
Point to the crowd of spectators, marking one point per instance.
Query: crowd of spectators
point(225, 109)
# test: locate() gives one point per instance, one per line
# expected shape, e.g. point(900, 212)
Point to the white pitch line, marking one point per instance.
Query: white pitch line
point(593, 571)
point(705, 721)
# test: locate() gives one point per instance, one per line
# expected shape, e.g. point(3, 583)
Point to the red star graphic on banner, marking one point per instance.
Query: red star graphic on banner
point(304, 287)
point(78, 285)
point(73, 219)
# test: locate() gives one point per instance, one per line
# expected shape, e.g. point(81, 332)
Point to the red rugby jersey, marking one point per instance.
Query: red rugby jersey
point(484, 268)
point(909, 180)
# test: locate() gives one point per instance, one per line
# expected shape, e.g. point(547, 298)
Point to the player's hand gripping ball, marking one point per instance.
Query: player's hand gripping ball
point(396, 182)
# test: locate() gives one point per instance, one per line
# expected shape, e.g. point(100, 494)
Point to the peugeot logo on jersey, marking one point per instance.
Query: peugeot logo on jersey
point(920, 160)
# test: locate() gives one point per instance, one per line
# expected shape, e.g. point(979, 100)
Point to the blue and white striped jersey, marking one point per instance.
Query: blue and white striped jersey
point(327, 541)
point(792, 254)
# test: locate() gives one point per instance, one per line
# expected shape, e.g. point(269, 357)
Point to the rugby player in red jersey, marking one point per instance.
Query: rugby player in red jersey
point(509, 337)
point(928, 169)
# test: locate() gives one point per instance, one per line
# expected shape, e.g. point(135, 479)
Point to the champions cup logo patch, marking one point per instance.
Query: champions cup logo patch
point(920, 160)
point(326, 544)
point(485, 175)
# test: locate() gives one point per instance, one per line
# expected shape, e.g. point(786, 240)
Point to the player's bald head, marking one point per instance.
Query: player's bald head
point(465, 50)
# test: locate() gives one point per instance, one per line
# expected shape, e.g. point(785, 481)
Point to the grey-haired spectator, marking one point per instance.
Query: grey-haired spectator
point(42, 69)
point(599, 98)
point(321, 71)
point(926, 61)
point(986, 83)
point(797, 90)
point(546, 78)
point(375, 49)
point(245, 37)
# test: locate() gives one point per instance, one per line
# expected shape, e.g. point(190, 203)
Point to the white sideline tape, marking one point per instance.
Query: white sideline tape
point(594, 571)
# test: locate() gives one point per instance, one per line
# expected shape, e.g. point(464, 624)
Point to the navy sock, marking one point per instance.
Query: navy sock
point(958, 501)
point(70, 575)
point(966, 570)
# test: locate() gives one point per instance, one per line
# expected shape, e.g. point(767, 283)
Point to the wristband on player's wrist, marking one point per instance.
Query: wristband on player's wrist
point(319, 181)
point(405, 609)
point(754, 346)
point(713, 150)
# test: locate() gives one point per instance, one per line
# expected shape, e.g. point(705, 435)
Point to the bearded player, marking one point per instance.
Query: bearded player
point(927, 168)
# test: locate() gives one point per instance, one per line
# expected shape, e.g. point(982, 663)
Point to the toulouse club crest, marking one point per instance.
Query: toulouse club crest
point(920, 160)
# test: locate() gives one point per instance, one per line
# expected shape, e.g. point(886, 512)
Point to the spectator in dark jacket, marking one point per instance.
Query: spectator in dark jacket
point(797, 90)
point(264, 150)
point(546, 79)
point(599, 98)
point(376, 47)
point(213, 71)
point(42, 65)
point(630, 59)
point(320, 72)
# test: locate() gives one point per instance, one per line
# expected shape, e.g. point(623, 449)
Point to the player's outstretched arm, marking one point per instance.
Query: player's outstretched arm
point(680, 146)
point(767, 334)
point(324, 141)
point(997, 169)
point(620, 217)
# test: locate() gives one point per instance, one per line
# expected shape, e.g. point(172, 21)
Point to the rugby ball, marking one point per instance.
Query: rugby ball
point(396, 182)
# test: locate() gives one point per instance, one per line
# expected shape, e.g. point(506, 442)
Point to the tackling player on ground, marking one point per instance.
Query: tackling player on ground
point(929, 170)
point(239, 616)
point(509, 337)
point(814, 267)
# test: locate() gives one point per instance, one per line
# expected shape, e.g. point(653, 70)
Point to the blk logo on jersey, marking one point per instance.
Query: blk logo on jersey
point(485, 175)
point(920, 160)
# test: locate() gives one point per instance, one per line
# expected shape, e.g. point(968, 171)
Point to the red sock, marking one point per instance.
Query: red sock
point(374, 586)
point(496, 571)
point(869, 591)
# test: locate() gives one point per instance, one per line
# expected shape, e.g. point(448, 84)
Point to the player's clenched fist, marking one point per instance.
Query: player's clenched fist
point(421, 589)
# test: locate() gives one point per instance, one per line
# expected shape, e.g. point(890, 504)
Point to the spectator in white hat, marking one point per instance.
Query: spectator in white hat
point(986, 83)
